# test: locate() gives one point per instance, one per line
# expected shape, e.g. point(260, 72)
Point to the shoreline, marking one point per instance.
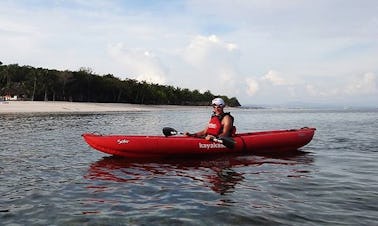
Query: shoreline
point(73, 107)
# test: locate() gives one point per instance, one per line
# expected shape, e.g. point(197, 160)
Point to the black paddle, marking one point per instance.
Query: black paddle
point(226, 141)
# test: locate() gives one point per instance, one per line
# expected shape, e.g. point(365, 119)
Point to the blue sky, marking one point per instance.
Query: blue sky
point(262, 52)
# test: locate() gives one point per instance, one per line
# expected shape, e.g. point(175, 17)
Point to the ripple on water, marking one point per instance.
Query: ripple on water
point(49, 176)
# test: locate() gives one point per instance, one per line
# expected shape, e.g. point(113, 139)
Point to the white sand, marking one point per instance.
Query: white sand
point(61, 106)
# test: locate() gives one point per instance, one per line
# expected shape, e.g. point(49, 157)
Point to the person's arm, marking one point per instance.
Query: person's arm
point(227, 126)
point(197, 134)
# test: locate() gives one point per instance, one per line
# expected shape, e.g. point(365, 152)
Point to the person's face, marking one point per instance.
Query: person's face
point(217, 109)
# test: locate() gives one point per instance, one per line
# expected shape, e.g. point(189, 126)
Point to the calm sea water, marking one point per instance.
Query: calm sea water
point(49, 176)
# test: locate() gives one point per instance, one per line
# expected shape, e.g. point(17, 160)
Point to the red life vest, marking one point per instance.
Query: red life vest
point(215, 126)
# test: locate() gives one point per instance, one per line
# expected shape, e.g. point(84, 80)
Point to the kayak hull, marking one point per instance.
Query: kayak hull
point(274, 142)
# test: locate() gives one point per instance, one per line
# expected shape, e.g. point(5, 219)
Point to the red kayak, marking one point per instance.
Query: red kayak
point(272, 142)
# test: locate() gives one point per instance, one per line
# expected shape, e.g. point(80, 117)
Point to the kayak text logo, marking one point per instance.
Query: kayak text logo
point(210, 146)
point(122, 141)
point(212, 125)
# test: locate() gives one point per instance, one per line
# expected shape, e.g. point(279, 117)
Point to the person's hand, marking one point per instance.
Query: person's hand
point(209, 137)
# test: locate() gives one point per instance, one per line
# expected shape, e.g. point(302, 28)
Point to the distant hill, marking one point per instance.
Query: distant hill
point(308, 105)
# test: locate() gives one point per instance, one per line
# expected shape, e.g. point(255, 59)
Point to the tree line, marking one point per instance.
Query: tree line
point(40, 84)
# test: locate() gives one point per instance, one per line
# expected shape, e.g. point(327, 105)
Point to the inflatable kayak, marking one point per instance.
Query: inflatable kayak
point(132, 146)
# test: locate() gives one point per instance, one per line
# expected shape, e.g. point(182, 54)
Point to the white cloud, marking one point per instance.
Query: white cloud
point(203, 51)
point(365, 85)
point(252, 86)
point(139, 64)
point(275, 78)
point(213, 62)
point(315, 92)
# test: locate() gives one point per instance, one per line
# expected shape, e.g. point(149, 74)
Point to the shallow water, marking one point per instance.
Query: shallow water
point(49, 176)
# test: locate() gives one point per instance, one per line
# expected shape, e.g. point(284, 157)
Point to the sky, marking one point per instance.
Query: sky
point(263, 52)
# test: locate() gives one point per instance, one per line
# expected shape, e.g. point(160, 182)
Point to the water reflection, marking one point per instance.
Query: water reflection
point(219, 173)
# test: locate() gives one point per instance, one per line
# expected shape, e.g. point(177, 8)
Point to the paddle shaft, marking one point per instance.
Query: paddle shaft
point(226, 141)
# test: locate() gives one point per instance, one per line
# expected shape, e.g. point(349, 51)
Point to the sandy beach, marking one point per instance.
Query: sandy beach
point(61, 106)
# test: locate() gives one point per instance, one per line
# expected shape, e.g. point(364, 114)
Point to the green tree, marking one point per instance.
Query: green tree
point(84, 85)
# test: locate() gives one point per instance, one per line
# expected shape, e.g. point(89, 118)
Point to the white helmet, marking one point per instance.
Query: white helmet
point(218, 101)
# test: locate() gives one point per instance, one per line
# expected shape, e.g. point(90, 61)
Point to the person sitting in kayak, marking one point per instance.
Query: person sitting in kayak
point(220, 124)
